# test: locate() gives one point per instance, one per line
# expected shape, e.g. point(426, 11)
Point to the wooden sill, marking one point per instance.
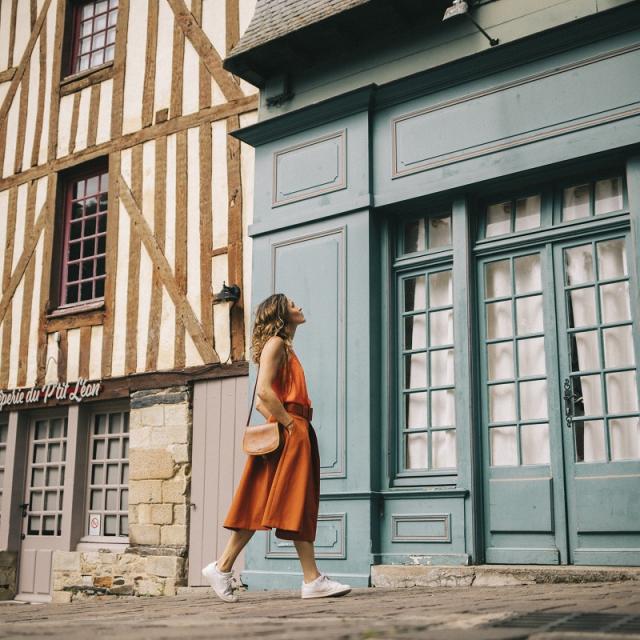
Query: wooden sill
point(83, 79)
point(75, 317)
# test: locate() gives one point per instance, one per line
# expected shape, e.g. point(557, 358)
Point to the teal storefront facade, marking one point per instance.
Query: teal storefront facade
point(461, 224)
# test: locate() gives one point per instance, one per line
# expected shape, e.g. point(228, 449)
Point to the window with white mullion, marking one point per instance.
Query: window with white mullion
point(427, 390)
point(108, 493)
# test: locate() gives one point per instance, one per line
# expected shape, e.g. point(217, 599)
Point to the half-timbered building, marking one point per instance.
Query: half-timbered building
point(123, 207)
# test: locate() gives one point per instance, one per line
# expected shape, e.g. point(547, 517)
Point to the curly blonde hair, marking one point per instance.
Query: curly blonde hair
point(271, 319)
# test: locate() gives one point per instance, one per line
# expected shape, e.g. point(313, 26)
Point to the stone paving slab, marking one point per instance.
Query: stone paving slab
point(457, 613)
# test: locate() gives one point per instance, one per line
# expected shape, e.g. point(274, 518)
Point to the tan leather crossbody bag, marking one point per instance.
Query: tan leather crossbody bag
point(260, 439)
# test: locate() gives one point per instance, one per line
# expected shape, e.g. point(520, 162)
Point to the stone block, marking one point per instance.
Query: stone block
point(66, 561)
point(103, 581)
point(180, 453)
point(142, 491)
point(175, 490)
point(144, 534)
point(144, 514)
point(177, 415)
point(61, 597)
point(140, 438)
point(180, 513)
point(129, 564)
point(174, 534)
point(162, 514)
point(149, 587)
point(152, 416)
point(150, 464)
point(62, 579)
point(164, 566)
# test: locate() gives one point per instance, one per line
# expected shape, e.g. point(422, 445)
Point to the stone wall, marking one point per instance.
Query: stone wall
point(84, 574)
point(159, 490)
point(8, 563)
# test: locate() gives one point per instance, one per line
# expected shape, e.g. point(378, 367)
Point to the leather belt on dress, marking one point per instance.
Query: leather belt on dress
point(299, 409)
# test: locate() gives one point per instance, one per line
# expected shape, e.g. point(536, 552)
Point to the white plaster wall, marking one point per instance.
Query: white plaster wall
point(219, 184)
point(5, 18)
point(83, 119)
point(164, 57)
point(32, 106)
point(50, 26)
point(134, 70)
point(64, 125)
point(73, 354)
point(95, 355)
point(190, 79)
point(104, 112)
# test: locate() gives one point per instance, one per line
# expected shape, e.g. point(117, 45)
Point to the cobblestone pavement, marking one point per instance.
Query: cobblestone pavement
point(478, 613)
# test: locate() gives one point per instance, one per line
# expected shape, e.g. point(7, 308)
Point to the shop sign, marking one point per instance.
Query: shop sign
point(74, 391)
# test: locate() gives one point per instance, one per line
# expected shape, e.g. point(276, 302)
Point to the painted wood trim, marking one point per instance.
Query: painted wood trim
point(94, 111)
point(398, 518)
point(177, 66)
point(113, 223)
point(183, 308)
point(85, 350)
point(159, 228)
point(12, 30)
point(205, 50)
point(212, 114)
point(45, 283)
point(73, 129)
point(87, 78)
point(27, 296)
point(12, 280)
point(234, 238)
point(42, 84)
point(148, 91)
point(133, 284)
point(63, 350)
point(54, 96)
point(204, 78)
point(25, 86)
point(75, 321)
point(518, 140)
point(180, 267)
point(232, 33)
point(311, 192)
point(206, 231)
point(7, 74)
point(119, 68)
point(24, 62)
point(6, 311)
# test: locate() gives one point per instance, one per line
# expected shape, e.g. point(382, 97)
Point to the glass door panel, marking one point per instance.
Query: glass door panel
point(601, 427)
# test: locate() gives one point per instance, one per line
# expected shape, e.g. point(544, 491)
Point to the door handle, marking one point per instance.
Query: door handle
point(24, 506)
point(570, 399)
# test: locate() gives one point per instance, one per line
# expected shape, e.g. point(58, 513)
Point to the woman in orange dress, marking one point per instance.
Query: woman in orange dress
point(281, 490)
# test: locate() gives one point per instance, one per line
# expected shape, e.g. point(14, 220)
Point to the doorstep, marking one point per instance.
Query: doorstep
point(397, 575)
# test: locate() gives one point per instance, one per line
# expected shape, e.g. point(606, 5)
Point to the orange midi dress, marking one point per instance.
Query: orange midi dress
point(282, 490)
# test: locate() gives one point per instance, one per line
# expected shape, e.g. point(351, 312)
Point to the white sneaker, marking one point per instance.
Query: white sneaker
point(323, 587)
point(221, 582)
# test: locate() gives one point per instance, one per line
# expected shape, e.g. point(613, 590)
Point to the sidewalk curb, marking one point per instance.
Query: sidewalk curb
point(402, 576)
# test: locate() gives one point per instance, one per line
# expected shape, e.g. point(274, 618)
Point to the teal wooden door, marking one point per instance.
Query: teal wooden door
point(601, 426)
point(559, 402)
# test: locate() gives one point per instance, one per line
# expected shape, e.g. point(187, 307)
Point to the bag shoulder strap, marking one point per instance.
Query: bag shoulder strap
point(253, 396)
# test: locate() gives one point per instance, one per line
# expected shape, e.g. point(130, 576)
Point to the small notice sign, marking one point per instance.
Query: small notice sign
point(94, 524)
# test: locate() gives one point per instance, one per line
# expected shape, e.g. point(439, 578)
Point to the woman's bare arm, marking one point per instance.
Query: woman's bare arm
point(267, 403)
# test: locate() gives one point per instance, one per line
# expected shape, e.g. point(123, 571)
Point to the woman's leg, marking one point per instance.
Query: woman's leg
point(237, 542)
point(307, 560)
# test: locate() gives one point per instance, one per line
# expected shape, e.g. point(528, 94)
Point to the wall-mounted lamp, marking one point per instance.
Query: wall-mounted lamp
point(461, 8)
point(227, 294)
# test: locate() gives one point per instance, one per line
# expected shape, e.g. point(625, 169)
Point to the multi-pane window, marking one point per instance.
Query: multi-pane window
point(592, 198)
point(4, 430)
point(85, 236)
point(108, 493)
point(427, 396)
point(515, 357)
point(94, 34)
point(513, 215)
point(603, 369)
point(45, 476)
point(427, 233)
